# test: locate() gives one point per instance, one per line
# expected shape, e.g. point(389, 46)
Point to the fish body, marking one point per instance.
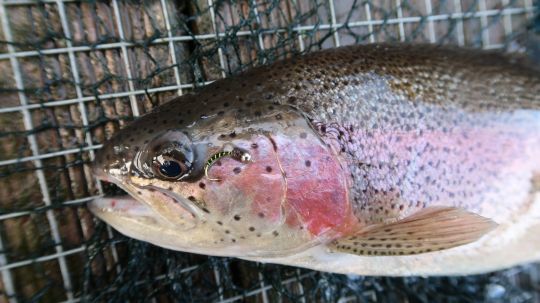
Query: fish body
point(374, 159)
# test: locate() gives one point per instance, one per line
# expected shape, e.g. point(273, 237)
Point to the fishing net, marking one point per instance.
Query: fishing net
point(74, 72)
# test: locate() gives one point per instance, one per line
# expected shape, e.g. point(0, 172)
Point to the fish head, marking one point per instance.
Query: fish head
point(213, 182)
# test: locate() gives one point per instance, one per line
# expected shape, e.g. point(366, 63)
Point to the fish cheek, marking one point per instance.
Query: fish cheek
point(248, 192)
point(151, 193)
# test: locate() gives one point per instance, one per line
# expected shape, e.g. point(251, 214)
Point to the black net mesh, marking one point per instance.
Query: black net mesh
point(74, 72)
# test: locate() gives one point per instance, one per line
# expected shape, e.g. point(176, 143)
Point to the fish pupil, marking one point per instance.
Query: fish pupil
point(170, 169)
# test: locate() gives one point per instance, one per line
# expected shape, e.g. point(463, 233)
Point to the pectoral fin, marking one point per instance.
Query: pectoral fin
point(430, 229)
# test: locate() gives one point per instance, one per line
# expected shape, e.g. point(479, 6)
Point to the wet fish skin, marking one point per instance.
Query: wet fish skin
point(408, 128)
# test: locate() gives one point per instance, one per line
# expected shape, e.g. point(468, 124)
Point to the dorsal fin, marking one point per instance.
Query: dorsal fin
point(431, 229)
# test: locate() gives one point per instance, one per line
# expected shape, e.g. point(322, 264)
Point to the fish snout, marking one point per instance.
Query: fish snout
point(112, 161)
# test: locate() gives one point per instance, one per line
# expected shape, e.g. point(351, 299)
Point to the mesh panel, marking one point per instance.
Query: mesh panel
point(74, 72)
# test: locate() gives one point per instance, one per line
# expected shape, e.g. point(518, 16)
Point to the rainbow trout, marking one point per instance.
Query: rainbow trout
point(372, 160)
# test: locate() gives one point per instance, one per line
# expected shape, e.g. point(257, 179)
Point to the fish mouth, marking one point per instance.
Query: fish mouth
point(117, 203)
point(131, 205)
point(126, 206)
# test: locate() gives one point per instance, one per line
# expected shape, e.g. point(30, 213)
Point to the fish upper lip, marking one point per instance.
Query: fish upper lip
point(100, 174)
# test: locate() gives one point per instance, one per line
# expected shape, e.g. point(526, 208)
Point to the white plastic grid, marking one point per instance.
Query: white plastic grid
point(460, 27)
point(28, 125)
point(127, 65)
point(260, 38)
point(431, 24)
point(367, 9)
point(483, 14)
point(337, 41)
point(401, 26)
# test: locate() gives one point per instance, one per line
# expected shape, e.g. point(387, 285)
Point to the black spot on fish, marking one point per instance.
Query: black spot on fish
point(219, 223)
point(308, 163)
point(252, 228)
point(205, 210)
point(237, 170)
point(275, 233)
point(261, 215)
point(254, 145)
point(227, 231)
point(303, 135)
point(236, 217)
point(269, 169)
point(192, 199)
point(202, 185)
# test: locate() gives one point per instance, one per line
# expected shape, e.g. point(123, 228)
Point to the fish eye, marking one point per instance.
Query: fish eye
point(171, 169)
point(171, 164)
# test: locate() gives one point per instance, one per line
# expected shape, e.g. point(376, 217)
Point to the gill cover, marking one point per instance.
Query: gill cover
point(292, 180)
